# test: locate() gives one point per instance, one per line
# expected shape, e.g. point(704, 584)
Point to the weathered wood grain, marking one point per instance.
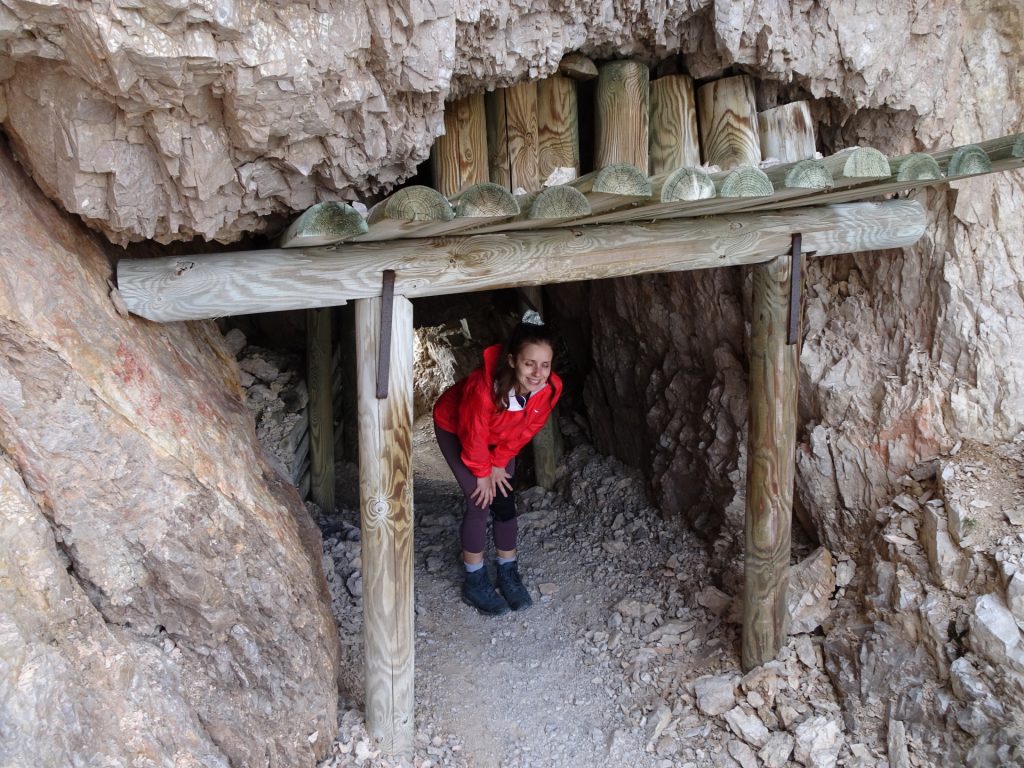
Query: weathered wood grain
point(673, 125)
point(213, 285)
point(614, 187)
point(771, 461)
point(917, 167)
point(460, 155)
point(577, 66)
point(968, 161)
point(621, 115)
point(745, 181)
point(321, 407)
point(408, 211)
point(558, 202)
point(727, 115)
point(323, 224)
point(386, 516)
point(512, 137)
point(558, 130)
point(807, 174)
point(683, 184)
point(786, 132)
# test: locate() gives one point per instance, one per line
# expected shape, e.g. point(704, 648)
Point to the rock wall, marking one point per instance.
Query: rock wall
point(161, 595)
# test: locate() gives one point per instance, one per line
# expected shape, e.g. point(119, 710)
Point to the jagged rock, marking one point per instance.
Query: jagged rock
point(775, 753)
point(818, 741)
point(948, 565)
point(747, 726)
point(896, 742)
point(715, 694)
point(742, 754)
point(994, 633)
point(811, 584)
point(1015, 597)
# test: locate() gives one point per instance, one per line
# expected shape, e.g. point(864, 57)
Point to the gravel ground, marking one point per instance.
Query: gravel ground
point(616, 663)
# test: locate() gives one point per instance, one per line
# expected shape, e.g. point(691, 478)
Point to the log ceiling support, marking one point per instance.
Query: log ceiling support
point(771, 451)
point(386, 517)
point(271, 280)
point(319, 348)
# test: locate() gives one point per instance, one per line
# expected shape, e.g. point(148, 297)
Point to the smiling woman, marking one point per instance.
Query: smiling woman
point(482, 422)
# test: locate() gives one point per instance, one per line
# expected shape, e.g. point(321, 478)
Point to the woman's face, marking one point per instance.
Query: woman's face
point(532, 366)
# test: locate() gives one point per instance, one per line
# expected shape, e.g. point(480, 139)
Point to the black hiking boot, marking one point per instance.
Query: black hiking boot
point(478, 592)
point(511, 585)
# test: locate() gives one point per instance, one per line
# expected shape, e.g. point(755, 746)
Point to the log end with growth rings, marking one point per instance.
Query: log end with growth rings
point(746, 181)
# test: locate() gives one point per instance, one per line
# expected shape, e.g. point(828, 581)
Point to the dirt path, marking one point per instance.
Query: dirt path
point(601, 670)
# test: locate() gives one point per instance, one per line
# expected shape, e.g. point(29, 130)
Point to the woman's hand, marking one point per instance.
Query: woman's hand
point(484, 493)
point(502, 481)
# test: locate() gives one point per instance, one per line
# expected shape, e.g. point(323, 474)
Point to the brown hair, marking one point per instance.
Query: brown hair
point(504, 375)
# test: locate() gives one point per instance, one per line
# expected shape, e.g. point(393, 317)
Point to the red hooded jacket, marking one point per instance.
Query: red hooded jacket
point(490, 437)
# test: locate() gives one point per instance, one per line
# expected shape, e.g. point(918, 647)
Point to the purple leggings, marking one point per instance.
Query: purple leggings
point(474, 522)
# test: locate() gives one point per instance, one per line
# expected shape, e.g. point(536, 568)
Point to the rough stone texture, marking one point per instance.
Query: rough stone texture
point(162, 594)
point(811, 584)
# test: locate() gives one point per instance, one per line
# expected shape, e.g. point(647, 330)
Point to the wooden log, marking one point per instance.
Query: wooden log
point(786, 132)
point(485, 201)
point(683, 184)
point(745, 181)
point(558, 131)
point(386, 516)
point(559, 202)
point(613, 187)
point(1018, 146)
point(320, 409)
point(323, 224)
point(727, 115)
point(213, 285)
point(621, 115)
point(859, 163)
point(577, 66)
point(460, 155)
point(407, 211)
point(771, 462)
point(807, 174)
point(917, 167)
point(673, 125)
point(512, 138)
point(968, 161)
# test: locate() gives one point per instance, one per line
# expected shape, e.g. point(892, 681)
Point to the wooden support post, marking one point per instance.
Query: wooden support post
point(727, 115)
point(786, 132)
point(321, 408)
point(673, 128)
point(621, 118)
point(460, 155)
point(771, 457)
point(547, 444)
point(385, 503)
point(558, 130)
point(512, 148)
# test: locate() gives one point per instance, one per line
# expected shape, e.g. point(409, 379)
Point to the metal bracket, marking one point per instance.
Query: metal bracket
point(387, 300)
point(795, 283)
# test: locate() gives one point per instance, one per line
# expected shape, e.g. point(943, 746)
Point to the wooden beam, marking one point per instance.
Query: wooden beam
point(386, 516)
point(745, 181)
point(323, 224)
point(214, 285)
point(460, 155)
point(621, 114)
point(771, 462)
point(614, 187)
point(917, 167)
point(512, 138)
point(321, 407)
point(577, 66)
point(786, 132)
point(408, 211)
point(558, 130)
point(683, 184)
point(968, 161)
point(727, 116)
point(673, 125)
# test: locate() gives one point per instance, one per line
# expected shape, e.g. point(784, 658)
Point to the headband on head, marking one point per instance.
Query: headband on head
point(531, 317)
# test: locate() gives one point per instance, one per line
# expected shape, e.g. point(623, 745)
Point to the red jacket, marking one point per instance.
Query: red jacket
point(489, 437)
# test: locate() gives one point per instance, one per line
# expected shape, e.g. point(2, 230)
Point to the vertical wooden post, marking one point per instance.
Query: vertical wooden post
point(321, 407)
point(512, 138)
point(771, 457)
point(385, 502)
point(621, 119)
point(673, 126)
point(786, 132)
point(558, 131)
point(547, 444)
point(727, 113)
point(460, 156)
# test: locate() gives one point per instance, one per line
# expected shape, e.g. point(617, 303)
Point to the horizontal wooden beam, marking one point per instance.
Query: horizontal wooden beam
point(214, 285)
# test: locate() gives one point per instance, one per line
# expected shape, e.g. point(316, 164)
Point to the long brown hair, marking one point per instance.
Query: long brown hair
point(504, 375)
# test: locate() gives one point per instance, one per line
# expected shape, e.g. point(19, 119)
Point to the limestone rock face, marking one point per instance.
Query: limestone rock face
point(160, 592)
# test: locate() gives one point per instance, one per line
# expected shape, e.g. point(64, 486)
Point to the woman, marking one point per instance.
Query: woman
point(481, 423)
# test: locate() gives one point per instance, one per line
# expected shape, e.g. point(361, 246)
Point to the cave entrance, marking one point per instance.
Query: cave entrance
point(646, 209)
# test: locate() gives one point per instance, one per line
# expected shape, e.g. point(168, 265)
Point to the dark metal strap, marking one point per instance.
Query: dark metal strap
point(387, 300)
point(795, 280)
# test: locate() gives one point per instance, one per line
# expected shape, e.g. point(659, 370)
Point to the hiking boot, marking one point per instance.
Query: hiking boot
point(478, 592)
point(511, 585)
